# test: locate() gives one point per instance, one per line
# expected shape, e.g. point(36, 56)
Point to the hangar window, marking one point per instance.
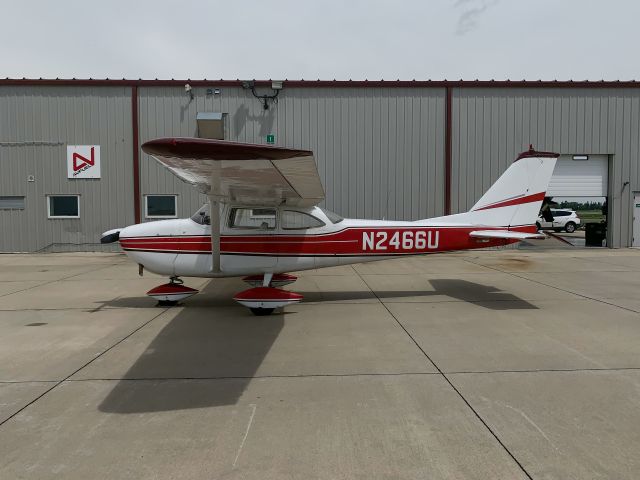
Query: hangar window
point(63, 206)
point(161, 206)
point(262, 218)
point(292, 220)
point(12, 203)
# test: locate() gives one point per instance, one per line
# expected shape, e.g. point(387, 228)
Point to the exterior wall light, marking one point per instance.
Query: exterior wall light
point(276, 86)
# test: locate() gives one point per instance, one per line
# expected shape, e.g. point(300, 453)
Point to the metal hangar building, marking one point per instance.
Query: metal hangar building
point(71, 165)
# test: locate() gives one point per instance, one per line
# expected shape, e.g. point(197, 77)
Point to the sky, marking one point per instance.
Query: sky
point(299, 39)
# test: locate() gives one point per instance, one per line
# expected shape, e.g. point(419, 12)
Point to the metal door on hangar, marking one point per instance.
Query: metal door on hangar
point(580, 176)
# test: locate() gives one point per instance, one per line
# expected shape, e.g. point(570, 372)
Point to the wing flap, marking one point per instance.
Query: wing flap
point(507, 234)
point(241, 173)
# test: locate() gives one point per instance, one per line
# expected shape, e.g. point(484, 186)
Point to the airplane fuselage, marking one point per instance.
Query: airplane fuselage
point(182, 247)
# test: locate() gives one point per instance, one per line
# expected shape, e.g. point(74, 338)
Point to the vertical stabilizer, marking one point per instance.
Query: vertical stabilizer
point(516, 197)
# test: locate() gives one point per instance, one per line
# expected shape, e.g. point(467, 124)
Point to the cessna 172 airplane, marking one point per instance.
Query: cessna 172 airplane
point(262, 221)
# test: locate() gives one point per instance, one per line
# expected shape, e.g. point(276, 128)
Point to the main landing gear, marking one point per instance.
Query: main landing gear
point(264, 298)
point(171, 293)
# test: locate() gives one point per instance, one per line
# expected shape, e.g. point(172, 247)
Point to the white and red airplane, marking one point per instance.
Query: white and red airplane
point(262, 221)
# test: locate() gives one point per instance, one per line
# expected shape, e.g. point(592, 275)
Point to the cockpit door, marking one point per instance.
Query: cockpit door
point(249, 240)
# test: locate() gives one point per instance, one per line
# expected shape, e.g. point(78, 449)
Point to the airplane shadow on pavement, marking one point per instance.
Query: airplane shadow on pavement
point(211, 338)
point(209, 352)
point(486, 296)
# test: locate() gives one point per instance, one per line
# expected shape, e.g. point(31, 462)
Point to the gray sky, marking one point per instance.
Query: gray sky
point(278, 39)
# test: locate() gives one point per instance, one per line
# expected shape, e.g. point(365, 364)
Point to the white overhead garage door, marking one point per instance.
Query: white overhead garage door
point(579, 178)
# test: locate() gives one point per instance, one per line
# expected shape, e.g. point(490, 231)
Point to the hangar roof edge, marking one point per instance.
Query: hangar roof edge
point(325, 83)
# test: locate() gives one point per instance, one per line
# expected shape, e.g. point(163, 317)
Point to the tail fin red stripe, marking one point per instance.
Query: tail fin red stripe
point(536, 197)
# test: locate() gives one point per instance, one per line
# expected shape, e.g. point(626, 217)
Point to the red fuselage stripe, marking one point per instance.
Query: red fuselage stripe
point(348, 242)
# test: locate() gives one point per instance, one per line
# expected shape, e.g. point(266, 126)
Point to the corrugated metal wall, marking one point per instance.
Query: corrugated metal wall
point(379, 151)
point(491, 126)
point(36, 124)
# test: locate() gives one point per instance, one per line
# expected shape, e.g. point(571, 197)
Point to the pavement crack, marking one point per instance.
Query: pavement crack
point(250, 377)
point(246, 433)
point(10, 382)
point(324, 375)
point(545, 370)
point(56, 280)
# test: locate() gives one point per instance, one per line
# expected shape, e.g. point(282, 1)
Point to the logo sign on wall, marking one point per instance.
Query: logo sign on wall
point(83, 161)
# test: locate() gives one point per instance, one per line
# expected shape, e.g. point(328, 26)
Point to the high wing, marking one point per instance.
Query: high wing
point(242, 173)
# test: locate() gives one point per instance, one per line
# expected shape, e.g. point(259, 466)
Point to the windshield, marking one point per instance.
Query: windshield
point(202, 215)
point(332, 216)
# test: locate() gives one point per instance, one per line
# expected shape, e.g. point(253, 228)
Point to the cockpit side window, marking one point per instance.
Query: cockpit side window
point(258, 218)
point(293, 220)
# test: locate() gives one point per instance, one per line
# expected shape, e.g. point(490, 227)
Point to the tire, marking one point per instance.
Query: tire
point(538, 226)
point(570, 227)
point(261, 312)
point(167, 303)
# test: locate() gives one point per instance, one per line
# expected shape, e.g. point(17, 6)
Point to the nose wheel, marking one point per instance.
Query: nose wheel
point(171, 293)
point(261, 312)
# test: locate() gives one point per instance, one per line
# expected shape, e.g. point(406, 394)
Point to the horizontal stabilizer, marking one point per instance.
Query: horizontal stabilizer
point(507, 234)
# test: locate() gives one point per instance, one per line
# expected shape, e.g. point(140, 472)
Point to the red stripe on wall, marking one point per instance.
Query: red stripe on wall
point(448, 139)
point(136, 154)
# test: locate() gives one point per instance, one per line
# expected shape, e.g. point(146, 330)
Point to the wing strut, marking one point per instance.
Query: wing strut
point(214, 215)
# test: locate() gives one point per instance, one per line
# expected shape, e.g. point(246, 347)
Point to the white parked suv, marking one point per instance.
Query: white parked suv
point(566, 220)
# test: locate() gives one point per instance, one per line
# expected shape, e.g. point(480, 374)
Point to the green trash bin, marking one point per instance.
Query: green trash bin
point(594, 234)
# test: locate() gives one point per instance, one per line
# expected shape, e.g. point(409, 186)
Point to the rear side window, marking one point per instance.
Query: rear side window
point(561, 213)
point(260, 218)
point(292, 220)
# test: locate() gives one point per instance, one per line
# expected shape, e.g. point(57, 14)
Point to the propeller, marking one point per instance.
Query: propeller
point(110, 236)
